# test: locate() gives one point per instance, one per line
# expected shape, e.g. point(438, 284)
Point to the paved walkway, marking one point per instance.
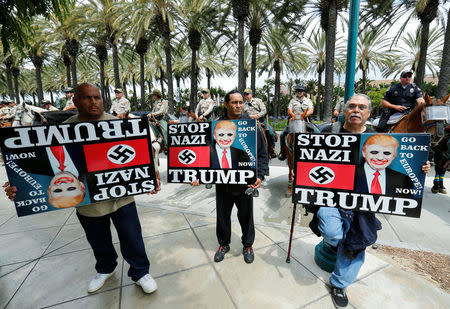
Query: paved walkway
point(45, 260)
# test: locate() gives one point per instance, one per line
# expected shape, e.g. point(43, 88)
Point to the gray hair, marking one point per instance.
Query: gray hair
point(365, 96)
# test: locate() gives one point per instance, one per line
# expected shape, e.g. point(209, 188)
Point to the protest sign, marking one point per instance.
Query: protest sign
point(219, 152)
point(366, 172)
point(76, 164)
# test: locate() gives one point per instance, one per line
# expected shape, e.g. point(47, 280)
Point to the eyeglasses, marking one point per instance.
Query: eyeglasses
point(299, 90)
point(204, 92)
point(361, 107)
point(246, 93)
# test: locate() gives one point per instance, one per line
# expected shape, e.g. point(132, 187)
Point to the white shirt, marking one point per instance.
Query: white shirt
point(68, 163)
point(220, 155)
point(370, 176)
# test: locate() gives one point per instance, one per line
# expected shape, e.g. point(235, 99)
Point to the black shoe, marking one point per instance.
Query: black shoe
point(273, 155)
point(249, 256)
point(282, 156)
point(220, 253)
point(339, 297)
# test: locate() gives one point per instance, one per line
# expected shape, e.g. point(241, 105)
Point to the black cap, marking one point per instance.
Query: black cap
point(300, 87)
point(405, 73)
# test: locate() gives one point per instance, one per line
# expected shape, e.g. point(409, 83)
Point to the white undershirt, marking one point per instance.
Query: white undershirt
point(220, 155)
point(68, 163)
point(370, 176)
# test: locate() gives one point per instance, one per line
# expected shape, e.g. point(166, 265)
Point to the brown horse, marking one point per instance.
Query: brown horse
point(417, 122)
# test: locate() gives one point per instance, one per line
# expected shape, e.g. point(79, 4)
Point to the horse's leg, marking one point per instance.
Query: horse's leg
point(438, 182)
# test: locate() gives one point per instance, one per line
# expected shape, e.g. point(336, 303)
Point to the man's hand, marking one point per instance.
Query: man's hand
point(256, 185)
point(254, 116)
point(158, 187)
point(195, 183)
point(149, 115)
point(335, 113)
point(200, 118)
point(400, 108)
point(426, 167)
point(10, 191)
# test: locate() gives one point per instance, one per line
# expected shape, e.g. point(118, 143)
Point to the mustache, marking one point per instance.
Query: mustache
point(356, 115)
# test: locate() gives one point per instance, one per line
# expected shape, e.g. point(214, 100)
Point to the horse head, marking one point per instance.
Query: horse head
point(435, 115)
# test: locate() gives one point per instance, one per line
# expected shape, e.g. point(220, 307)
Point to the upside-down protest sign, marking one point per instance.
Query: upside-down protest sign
point(365, 172)
point(76, 164)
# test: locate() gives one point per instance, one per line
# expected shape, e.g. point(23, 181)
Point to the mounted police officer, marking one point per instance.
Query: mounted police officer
point(256, 109)
point(160, 106)
point(205, 107)
point(48, 105)
point(297, 106)
point(69, 99)
point(120, 105)
point(399, 99)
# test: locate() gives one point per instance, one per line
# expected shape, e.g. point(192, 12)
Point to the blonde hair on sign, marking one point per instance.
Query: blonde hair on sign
point(225, 124)
point(382, 140)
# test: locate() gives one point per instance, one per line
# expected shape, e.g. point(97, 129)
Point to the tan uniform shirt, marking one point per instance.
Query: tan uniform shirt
point(106, 207)
point(340, 106)
point(120, 107)
point(160, 107)
point(69, 103)
point(204, 107)
point(300, 106)
point(255, 107)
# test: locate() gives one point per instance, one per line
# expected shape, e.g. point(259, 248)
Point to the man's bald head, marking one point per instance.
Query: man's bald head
point(88, 101)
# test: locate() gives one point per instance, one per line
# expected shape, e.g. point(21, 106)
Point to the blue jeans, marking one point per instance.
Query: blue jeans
point(334, 228)
point(98, 234)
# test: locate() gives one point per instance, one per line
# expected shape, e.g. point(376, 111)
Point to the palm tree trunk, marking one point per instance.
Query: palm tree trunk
point(444, 74)
point(39, 90)
point(178, 79)
point(276, 98)
point(149, 84)
point(136, 103)
point(318, 99)
point(253, 72)
point(34, 98)
point(167, 49)
point(241, 49)
point(69, 79)
point(420, 72)
point(51, 97)
point(208, 78)
point(364, 77)
point(73, 66)
point(15, 73)
point(329, 58)
point(125, 88)
point(102, 82)
point(116, 66)
point(142, 79)
point(107, 94)
point(9, 78)
point(193, 95)
point(162, 85)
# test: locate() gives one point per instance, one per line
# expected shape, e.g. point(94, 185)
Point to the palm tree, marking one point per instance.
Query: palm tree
point(198, 16)
point(141, 49)
point(391, 11)
point(444, 74)
point(279, 54)
point(372, 50)
point(316, 54)
point(407, 57)
point(240, 13)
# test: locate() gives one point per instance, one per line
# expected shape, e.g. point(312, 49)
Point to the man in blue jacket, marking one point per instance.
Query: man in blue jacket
point(347, 232)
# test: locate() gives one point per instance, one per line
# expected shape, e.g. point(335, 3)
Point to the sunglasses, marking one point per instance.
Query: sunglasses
point(246, 93)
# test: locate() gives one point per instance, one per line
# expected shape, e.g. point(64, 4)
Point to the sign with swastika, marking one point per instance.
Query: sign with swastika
point(217, 152)
point(76, 164)
point(364, 172)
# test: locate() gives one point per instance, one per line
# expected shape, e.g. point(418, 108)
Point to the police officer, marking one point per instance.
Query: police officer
point(48, 106)
point(254, 107)
point(297, 106)
point(120, 105)
point(339, 108)
point(160, 106)
point(205, 107)
point(69, 99)
point(400, 98)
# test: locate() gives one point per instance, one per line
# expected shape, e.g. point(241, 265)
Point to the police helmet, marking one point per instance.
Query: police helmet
point(300, 87)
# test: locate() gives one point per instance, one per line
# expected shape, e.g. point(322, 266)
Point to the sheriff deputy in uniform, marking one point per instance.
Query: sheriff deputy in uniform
point(120, 105)
point(160, 106)
point(48, 106)
point(205, 107)
point(400, 98)
point(9, 111)
point(297, 106)
point(69, 99)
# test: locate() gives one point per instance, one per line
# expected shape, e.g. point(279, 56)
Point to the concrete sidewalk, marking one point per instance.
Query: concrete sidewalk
point(45, 260)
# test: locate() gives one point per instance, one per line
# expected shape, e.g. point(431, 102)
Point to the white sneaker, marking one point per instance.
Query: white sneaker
point(147, 283)
point(98, 281)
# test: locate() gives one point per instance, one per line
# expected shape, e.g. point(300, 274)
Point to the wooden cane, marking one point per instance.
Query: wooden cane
point(288, 259)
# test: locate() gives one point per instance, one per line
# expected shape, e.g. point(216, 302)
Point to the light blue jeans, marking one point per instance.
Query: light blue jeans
point(334, 228)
